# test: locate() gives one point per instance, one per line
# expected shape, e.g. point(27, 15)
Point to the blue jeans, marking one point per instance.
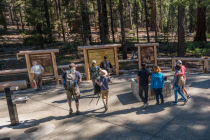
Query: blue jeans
point(158, 92)
point(178, 90)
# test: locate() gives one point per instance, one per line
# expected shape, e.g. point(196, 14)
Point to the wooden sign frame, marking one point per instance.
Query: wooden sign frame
point(154, 45)
point(96, 47)
point(40, 52)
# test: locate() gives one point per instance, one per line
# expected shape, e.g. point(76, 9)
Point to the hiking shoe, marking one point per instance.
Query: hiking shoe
point(157, 103)
point(145, 105)
point(162, 102)
point(174, 103)
point(188, 97)
point(185, 101)
point(78, 112)
point(70, 111)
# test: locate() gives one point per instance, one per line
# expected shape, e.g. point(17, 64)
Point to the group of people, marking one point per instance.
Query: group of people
point(101, 78)
point(156, 80)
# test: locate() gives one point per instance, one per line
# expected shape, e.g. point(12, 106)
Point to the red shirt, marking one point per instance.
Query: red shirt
point(183, 70)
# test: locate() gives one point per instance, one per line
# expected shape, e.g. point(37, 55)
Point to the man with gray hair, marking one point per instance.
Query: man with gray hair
point(72, 78)
point(37, 71)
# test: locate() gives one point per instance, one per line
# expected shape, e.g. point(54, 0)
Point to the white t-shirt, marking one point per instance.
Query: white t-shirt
point(37, 69)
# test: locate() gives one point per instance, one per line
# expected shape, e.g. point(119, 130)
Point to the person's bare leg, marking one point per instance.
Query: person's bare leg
point(69, 99)
point(185, 91)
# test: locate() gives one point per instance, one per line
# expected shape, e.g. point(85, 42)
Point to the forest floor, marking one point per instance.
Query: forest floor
point(45, 115)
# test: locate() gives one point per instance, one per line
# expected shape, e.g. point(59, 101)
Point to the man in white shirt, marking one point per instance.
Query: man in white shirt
point(37, 71)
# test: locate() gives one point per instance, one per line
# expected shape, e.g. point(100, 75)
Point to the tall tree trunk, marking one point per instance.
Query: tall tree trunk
point(201, 23)
point(130, 16)
point(112, 22)
point(61, 21)
point(11, 15)
point(191, 28)
point(101, 30)
point(105, 21)
point(153, 14)
point(86, 31)
point(155, 20)
point(21, 19)
point(123, 41)
point(146, 17)
point(136, 19)
point(47, 16)
point(181, 32)
point(161, 16)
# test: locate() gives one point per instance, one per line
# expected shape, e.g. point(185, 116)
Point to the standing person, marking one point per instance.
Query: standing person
point(73, 78)
point(182, 75)
point(177, 87)
point(143, 81)
point(103, 82)
point(106, 65)
point(37, 71)
point(94, 73)
point(157, 83)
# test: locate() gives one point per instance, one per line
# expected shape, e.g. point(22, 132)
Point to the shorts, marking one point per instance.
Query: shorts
point(105, 94)
point(75, 93)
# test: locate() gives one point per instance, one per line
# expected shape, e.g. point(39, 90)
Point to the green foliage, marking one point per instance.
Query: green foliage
point(198, 48)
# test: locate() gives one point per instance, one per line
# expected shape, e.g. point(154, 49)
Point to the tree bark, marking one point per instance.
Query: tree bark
point(146, 17)
point(61, 21)
point(136, 19)
point(130, 16)
point(111, 18)
point(21, 19)
point(191, 28)
point(105, 21)
point(101, 30)
point(123, 41)
point(201, 23)
point(86, 31)
point(161, 16)
point(153, 15)
point(181, 31)
point(47, 17)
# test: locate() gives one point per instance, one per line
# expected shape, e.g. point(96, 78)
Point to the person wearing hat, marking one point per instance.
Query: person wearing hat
point(103, 82)
point(94, 73)
point(72, 79)
point(106, 65)
point(181, 73)
point(177, 84)
point(157, 84)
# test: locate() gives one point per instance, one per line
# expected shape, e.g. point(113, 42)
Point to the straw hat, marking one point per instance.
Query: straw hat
point(103, 73)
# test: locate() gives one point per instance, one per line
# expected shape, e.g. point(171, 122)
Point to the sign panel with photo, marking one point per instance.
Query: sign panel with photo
point(147, 55)
point(99, 54)
point(45, 60)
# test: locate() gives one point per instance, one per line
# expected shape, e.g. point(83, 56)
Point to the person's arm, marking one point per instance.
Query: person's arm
point(79, 77)
point(182, 71)
point(102, 65)
point(138, 77)
point(32, 73)
point(110, 65)
point(98, 82)
point(163, 80)
point(42, 69)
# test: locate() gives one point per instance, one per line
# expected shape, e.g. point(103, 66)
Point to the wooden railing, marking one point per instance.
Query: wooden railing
point(173, 60)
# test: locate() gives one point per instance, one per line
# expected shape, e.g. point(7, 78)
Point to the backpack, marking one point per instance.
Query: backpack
point(106, 65)
point(94, 72)
point(181, 81)
point(70, 80)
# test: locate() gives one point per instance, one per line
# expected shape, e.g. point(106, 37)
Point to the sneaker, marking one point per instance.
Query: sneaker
point(70, 111)
point(174, 103)
point(157, 103)
point(162, 102)
point(188, 97)
point(185, 101)
point(145, 105)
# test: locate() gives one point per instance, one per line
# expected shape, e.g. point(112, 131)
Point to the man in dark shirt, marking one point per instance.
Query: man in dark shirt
point(106, 65)
point(143, 81)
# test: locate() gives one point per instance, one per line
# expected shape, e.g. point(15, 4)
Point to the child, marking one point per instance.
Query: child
point(103, 82)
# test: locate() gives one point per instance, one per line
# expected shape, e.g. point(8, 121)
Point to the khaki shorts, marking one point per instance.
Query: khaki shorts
point(105, 93)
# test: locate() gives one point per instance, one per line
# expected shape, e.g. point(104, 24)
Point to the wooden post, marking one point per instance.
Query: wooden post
point(116, 61)
point(155, 55)
point(173, 62)
point(28, 64)
point(55, 67)
point(11, 107)
point(87, 72)
point(206, 65)
point(139, 56)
